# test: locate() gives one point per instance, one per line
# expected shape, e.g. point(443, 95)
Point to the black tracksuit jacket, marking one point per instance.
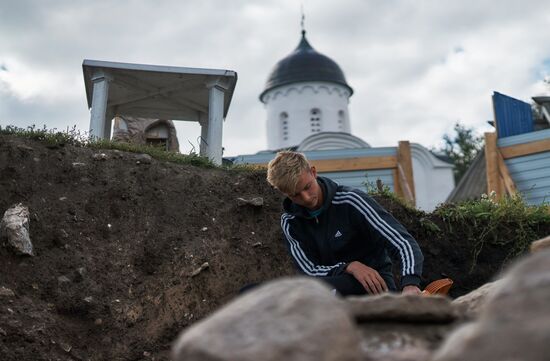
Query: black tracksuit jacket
point(351, 227)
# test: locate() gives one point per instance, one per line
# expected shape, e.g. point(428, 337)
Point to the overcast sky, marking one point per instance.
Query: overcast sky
point(416, 66)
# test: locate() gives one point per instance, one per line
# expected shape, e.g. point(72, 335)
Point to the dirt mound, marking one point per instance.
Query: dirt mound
point(116, 242)
point(120, 240)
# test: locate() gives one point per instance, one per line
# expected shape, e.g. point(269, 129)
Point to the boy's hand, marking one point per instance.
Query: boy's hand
point(411, 290)
point(368, 277)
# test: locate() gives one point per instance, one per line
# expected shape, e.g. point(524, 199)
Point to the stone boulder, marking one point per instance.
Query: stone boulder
point(402, 308)
point(540, 245)
point(471, 304)
point(514, 324)
point(14, 228)
point(139, 130)
point(287, 319)
point(397, 327)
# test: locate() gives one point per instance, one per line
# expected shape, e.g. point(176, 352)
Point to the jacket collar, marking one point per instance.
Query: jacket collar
point(328, 187)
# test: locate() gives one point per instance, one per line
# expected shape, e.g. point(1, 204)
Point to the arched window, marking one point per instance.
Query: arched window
point(315, 120)
point(157, 135)
point(341, 120)
point(283, 120)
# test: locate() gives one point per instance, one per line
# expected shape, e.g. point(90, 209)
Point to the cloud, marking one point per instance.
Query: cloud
point(416, 66)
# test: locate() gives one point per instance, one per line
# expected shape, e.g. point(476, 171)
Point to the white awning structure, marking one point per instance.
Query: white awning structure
point(162, 92)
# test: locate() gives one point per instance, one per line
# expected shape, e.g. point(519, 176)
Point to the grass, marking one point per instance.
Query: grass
point(379, 189)
point(54, 137)
point(508, 223)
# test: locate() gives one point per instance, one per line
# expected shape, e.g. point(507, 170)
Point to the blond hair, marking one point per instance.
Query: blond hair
point(284, 171)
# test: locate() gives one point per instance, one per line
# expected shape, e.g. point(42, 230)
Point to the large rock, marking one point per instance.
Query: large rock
point(397, 327)
point(141, 130)
point(401, 308)
point(471, 304)
point(288, 319)
point(515, 323)
point(540, 245)
point(15, 229)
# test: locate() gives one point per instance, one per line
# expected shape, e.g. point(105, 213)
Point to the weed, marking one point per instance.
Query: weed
point(154, 151)
point(429, 226)
point(379, 189)
point(53, 136)
point(75, 137)
point(507, 223)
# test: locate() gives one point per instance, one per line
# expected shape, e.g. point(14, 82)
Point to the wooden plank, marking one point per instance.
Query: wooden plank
point(396, 186)
point(507, 180)
point(404, 160)
point(347, 164)
point(494, 113)
point(359, 163)
point(406, 190)
point(491, 160)
point(519, 150)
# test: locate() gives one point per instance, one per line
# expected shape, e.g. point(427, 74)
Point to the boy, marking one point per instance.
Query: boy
point(340, 234)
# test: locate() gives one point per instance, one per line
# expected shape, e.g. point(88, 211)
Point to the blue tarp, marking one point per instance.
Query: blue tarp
point(513, 116)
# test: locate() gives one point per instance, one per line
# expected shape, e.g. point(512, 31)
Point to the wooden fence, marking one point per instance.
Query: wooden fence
point(529, 157)
point(399, 164)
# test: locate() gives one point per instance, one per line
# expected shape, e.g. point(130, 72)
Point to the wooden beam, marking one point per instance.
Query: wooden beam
point(396, 186)
point(491, 160)
point(404, 160)
point(525, 149)
point(494, 113)
point(406, 190)
point(349, 164)
point(507, 180)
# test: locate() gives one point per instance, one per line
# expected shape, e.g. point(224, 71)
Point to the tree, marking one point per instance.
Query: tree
point(462, 148)
point(538, 116)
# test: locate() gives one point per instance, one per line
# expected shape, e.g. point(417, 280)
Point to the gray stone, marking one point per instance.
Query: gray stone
point(143, 159)
point(197, 271)
point(288, 319)
point(25, 147)
point(384, 340)
point(137, 130)
point(541, 244)
point(117, 154)
point(6, 292)
point(406, 353)
point(255, 201)
point(15, 229)
point(401, 327)
point(401, 308)
point(471, 304)
point(80, 273)
point(63, 279)
point(514, 324)
point(99, 156)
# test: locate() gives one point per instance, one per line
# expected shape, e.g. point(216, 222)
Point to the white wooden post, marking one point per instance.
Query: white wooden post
point(214, 130)
point(109, 115)
point(204, 133)
point(99, 104)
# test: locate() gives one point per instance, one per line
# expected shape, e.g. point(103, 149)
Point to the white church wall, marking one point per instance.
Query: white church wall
point(296, 111)
point(331, 140)
point(433, 178)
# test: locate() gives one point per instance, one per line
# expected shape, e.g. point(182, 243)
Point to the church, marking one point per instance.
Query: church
point(306, 97)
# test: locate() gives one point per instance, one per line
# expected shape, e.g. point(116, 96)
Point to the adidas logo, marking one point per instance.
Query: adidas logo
point(338, 234)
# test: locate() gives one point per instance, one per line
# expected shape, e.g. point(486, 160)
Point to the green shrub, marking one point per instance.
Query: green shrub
point(75, 137)
point(508, 223)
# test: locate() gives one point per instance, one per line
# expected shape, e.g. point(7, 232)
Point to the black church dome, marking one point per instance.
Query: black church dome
point(302, 65)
